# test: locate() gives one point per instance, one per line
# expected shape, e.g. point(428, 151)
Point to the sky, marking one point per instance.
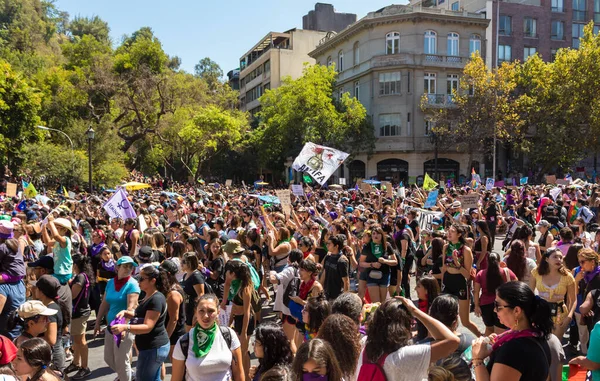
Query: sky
point(193, 29)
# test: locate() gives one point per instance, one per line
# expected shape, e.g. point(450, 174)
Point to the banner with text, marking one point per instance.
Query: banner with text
point(319, 161)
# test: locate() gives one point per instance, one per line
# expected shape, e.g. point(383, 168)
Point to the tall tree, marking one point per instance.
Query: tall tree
point(94, 26)
point(210, 71)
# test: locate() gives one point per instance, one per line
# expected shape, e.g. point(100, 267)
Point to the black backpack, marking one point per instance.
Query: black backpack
point(184, 343)
point(292, 289)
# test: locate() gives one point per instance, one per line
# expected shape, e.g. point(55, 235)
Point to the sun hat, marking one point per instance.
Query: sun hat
point(455, 205)
point(33, 308)
point(6, 229)
point(63, 222)
point(126, 260)
point(232, 246)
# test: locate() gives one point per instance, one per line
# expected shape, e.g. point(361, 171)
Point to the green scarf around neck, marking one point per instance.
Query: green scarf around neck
point(377, 249)
point(203, 339)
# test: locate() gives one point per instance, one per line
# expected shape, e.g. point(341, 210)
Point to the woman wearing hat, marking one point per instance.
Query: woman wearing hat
point(122, 293)
point(33, 317)
point(60, 242)
point(47, 292)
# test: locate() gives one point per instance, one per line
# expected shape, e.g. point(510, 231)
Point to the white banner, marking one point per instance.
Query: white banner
point(319, 161)
point(118, 206)
point(425, 217)
point(297, 190)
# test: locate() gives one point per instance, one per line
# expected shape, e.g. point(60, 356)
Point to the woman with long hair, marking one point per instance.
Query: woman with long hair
point(427, 290)
point(314, 313)
point(193, 286)
point(554, 283)
point(486, 283)
point(388, 341)
point(215, 267)
point(241, 310)
point(177, 250)
point(33, 361)
point(435, 259)
point(342, 334)
point(379, 259)
point(532, 249)
point(193, 245)
point(445, 309)
point(458, 262)
point(517, 261)
point(521, 353)
point(147, 323)
point(278, 243)
point(405, 242)
point(82, 284)
point(175, 320)
point(483, 245)
point(271, 348)
point(315, 360)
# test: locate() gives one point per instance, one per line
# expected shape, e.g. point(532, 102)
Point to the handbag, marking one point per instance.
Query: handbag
point(375, 274)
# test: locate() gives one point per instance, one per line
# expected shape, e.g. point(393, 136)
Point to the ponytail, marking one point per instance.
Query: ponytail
point(536, 310)
point(541, 319)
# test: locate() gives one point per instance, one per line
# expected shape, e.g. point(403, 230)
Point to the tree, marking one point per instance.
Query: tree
point(94, 27)
point(210, 71)
point(485, 109)
point(305, 110)
point(19, 108)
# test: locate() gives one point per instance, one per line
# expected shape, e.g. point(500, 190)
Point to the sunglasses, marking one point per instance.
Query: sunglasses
point(499, 307)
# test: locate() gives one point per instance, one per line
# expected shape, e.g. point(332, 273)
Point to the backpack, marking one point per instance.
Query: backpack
point(372, 371)
point(184, 343)
point(253, 273)
point(292, 289)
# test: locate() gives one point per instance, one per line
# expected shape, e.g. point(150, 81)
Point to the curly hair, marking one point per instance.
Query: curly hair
point(388, 331)
point(341, 333)
point(276, 346)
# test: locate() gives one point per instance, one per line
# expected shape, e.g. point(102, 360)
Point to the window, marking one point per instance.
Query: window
point(429, 83)
point(557, 6)
point(558, 30)
point(596, 29)
point(242, 83)
point(428, 127)
point(553, 53)
point(267, 66)
point(356, 89)
point(389, 124)
point(527, 52)
point(267, 86)
point(389, 83)
point(329, 62)
point(530, 27)
point(430, 42)
point(340, 61)
point(408, 83)
point(597, 11)
point(475, 44)
point(356, 53)
point(455, 6)
point(505, 27)
point(453, 44)
point(340, 93)
point(504, 53)
point(451, 83)
point(392, 43)
point(577, 34)
point(579, 10)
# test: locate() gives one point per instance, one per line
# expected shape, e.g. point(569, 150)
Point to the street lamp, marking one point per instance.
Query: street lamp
point(90, 136)
point(54, 129)
point(433, 140)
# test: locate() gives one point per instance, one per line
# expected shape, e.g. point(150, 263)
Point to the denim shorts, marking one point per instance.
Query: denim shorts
point(383, 282)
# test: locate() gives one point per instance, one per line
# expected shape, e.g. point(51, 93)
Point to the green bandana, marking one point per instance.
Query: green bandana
point(377, 250)
point(203, 339)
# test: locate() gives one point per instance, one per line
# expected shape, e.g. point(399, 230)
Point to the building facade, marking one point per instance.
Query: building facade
point(521, 28)
point(389, 60)
point(325, 18)
point(233, 79)
point(274, 57)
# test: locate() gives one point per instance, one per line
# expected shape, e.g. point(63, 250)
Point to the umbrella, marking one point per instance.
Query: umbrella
point(266, 198)
point(335, 186)
point(43, 199)
point(134, 185)
point(372, 182)
point(172, 194)
point(261, 183)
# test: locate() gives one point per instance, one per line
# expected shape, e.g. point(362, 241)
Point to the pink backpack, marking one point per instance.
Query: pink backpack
point(372, 371)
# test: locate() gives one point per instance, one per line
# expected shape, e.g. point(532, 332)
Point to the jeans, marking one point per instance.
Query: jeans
point(15, 296)
point(150, 362)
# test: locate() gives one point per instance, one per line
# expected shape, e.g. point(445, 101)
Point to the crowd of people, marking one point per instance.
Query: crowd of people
point(189, 283)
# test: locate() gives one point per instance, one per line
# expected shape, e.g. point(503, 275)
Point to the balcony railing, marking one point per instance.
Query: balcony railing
point(440, 100)
point(436, 59)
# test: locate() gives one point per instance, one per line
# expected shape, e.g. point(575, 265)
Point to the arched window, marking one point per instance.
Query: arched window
point(356, 54)
point(475, 44)
point(340, 60)
point(453, 44)
point(329, 63)
point(430, 42)
point(392, 43)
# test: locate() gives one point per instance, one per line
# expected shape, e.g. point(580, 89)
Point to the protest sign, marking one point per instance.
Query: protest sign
point(118, 206)
point(562, 182)
point(469, 201)
point(285, 200)
point(228, 182)
point(342, 181)
point(11, 189)
point(142, 226)
point(365, 187)
point(425, 217)
point(72, 195)
point(319, 161)
point(389, 189)
point(555, 192)
point(297, 190)
point(523, 180)
point(401, 192)
point(431, 199)
point(489, 183)
point(551, 179)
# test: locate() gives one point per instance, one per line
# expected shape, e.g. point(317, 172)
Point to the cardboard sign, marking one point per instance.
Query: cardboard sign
point(401, 192)
point(562, 182)
point(11, 189)
point(285, 199)
point(342, 181)
point(142, 226)
point(469, 201)
point(489, 183)
point(228, 182)
point(297, 190)
point(551, 179)
point(366, 188)
point(431, 199)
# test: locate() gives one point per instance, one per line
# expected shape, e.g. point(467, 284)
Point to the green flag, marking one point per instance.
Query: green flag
point(307, 179)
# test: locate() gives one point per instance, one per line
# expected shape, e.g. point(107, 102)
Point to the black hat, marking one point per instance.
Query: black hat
point(145, 253)
point(169, 266)
point(48, 285)
point(46, 262)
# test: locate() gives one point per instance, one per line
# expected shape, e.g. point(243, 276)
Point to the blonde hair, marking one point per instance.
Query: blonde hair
point(438, 373)
point(588, 255)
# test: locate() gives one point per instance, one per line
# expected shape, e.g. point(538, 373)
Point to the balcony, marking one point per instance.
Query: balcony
point(440, 100)
point(393, 60)
point(445, 61)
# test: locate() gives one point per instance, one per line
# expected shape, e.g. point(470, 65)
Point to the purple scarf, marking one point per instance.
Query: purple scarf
point(589, 276)
point(117, 338)
point(96, 249)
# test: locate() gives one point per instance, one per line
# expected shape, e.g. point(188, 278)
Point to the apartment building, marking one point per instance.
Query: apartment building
point(274, 57)
point(388, 60)
point(521, 28)
point(325, 18)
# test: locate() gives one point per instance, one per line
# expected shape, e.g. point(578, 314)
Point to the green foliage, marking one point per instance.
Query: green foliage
point(208, 70)
point(54, 163)
point(304, 110)
point(94, 27)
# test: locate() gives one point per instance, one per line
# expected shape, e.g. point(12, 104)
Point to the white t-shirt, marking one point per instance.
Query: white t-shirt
point(215, 366)
point(407, 363)
point(284, 279)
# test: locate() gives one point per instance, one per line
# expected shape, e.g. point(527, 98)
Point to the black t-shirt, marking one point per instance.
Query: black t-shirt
point(81, 304)
point(526, 356)
point(336, 268)
point(190, 296)
point(413, 227)
point(58, 319)
point(371, 258)
point(157, 337)
point(491, 214)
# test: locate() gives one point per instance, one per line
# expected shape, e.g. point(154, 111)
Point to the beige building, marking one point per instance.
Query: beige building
point(388, 60)
point(274, 57)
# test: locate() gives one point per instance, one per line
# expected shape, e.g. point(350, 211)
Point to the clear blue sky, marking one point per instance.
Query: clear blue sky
point(193, 29)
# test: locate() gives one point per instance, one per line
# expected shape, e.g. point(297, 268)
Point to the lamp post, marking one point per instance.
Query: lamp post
point(90, 136)
point(66, 136)
point(433, 140)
